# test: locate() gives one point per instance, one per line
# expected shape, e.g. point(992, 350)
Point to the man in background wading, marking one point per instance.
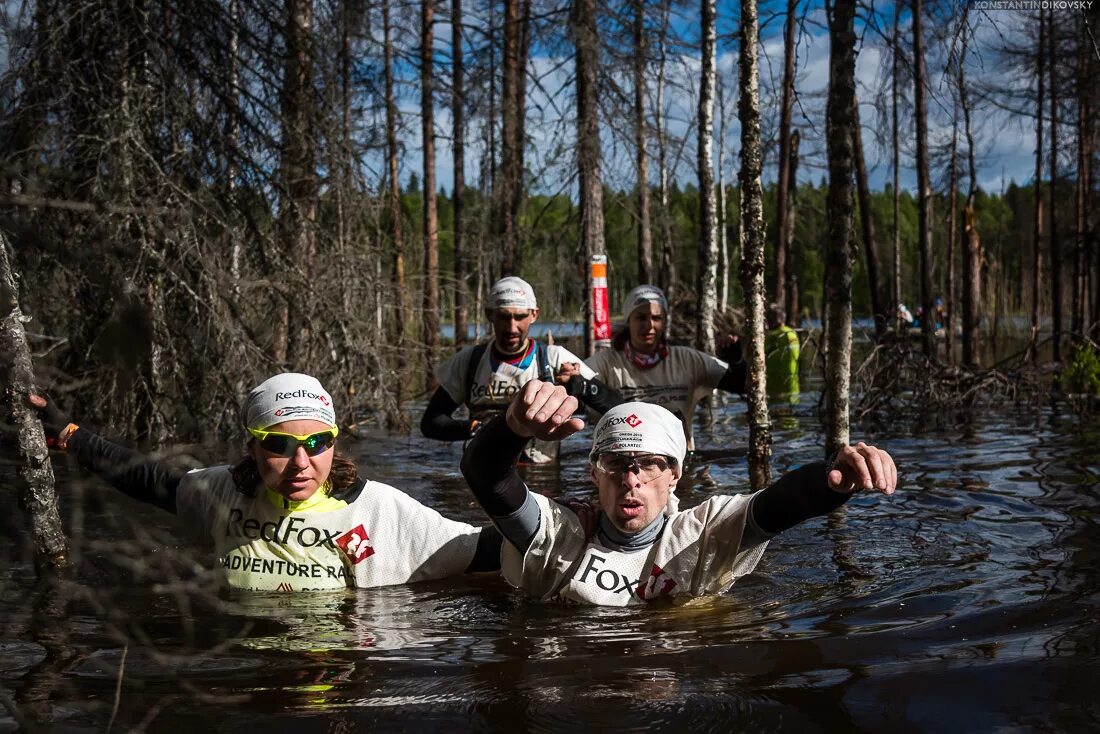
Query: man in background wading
point(485, 377)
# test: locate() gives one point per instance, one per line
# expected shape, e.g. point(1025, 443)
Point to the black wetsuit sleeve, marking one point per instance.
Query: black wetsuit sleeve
point(594, 394)
point(489, 466)
point(437, 422)
point(127, 470)
point(737, 372)
point(797, 496)
point(487, 554)
point(735, 377)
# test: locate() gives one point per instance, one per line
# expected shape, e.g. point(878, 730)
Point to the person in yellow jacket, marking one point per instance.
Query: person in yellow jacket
point(781, 350)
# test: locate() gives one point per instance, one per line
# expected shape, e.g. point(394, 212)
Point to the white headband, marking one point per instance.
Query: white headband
point(511, 292)
point(640, 427)
point(287, 397)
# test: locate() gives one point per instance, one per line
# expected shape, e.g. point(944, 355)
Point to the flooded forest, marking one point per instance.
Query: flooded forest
point(195, 196)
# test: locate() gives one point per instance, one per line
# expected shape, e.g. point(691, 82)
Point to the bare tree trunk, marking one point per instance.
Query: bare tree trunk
point(840, 205)
point(1055, 243)
point(38, 496)
point(298, 218)
point(708, 244)
point(400, 292)
point(794, 298)
point(1037, 260)
point(505, 218)
point(667, 272)
point(1080, 202)
point(972, 262)
point(785, 180)
point(233, 135)
point(588, 146)
point(924, 184)
point(723, 242)
point(1090, 287)
point(645, 236)
point(431, 219)
point(896, 149)
point(870, 244)
point(458, 114)
point(952, 237)
point(752, 237)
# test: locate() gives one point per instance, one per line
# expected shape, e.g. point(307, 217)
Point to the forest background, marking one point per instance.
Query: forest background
point(200, 194)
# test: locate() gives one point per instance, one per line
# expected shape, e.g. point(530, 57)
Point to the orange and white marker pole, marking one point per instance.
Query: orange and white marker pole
point(601, 316)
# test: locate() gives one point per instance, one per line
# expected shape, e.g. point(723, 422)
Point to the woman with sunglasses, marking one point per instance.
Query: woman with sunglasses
point(644, 548)
point(293, 514)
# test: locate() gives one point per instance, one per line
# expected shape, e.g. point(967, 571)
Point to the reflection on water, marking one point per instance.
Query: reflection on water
point(964, 603)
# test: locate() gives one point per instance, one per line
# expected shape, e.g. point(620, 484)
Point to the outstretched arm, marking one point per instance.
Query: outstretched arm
point(437, 422)
point(125, 469)
point(818, 488)
point(489, 464)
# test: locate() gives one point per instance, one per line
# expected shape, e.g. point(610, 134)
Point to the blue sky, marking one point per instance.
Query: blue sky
point(1005, 142)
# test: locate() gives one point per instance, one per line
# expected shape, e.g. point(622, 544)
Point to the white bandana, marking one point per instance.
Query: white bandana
point(287, 397)
point(644, 295)
point(640, 427)
point(511, 292)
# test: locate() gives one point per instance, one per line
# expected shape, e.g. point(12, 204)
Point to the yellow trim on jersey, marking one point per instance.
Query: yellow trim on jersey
point(319, 501)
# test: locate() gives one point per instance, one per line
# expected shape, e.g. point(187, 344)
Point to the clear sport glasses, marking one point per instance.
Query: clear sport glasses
point(286, 444)
point(647, 466)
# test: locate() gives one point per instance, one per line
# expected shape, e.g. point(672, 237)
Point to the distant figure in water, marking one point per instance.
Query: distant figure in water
point(905, 316)
point(485, 377)
point(643, 366)
point(781, 351)
point(644, 549)
point(293, 514)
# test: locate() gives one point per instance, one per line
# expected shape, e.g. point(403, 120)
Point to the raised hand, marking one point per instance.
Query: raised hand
point(544, 411)
point(54, 421)
point(863, 467)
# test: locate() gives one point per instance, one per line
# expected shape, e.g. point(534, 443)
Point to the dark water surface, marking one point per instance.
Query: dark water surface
point(966, 602)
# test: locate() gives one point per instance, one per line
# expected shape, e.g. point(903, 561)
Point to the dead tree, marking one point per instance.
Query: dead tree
point(706, 279)
point(972, 262)
point(752, 243)
point(867, 222)
point(458, 115)
point(722, 209)
point(431, 218)
point(1055, 242)
point(895, 53)
point(301, 185)
point(924, 184)
point(785, 178)
point(509, 183)
point(397, 242)
point(586, 43)
point(840, 206)
point(1037, 254)
point(38, 496)
point(794, 298)
point(951, 236)
point(666, 275)
point(645, 236)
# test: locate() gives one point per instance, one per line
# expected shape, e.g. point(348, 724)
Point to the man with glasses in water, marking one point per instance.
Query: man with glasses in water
point(485, 377)
point(643, 548)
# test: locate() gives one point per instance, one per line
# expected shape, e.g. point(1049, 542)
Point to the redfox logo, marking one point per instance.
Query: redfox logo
point(356, 543)
point(631, 420)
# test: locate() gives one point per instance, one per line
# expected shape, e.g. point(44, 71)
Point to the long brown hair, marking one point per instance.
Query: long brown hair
point(246, 475)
